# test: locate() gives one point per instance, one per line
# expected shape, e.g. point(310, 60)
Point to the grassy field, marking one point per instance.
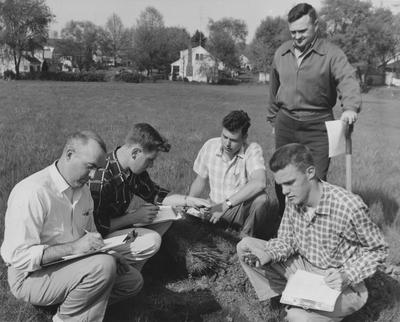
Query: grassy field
point(35, 117)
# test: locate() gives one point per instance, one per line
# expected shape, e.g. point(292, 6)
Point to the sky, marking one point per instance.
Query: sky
point(190, 14)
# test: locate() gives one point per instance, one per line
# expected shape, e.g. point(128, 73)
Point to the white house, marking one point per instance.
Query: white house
point(245, 62)
point(28, 63)
point(196, 64)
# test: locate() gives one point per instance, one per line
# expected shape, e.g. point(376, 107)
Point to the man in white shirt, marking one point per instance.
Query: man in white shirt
point(235, 173)
point(49, 215)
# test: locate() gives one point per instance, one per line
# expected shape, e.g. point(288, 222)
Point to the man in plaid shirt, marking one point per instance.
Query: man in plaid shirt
point(325, 229)
point(235, 172)
point(125, 195)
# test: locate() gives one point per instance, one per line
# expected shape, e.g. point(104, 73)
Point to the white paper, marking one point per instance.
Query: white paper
point(166, 213)
point(109, 243)
point(309, 290)
point(336, 137)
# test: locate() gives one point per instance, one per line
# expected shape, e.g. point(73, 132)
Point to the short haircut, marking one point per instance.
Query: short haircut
point(301, 10)
point(295, 154)
point(84, 137)
point(147, 137)
point(237, 120)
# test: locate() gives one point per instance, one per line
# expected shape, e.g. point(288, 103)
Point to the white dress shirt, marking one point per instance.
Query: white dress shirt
point(43, 210)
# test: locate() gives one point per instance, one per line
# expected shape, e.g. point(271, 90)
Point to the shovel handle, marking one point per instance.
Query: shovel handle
point(348, 131)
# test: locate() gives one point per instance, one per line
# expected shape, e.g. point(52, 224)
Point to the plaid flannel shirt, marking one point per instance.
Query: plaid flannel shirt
point(340, 235)
point(113, 188)
point(226, 177)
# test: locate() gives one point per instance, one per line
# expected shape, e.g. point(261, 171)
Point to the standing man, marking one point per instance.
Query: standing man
point(307, 75)
point(50, 215)
point(325, 230)
point(125, 195)
point(235, 172)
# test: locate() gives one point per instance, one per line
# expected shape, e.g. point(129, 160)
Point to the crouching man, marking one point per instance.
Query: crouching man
point(49, 215)
point(325, 229)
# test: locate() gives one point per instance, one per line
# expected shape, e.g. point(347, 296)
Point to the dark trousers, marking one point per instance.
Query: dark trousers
point(252, 218)
point(312, 134)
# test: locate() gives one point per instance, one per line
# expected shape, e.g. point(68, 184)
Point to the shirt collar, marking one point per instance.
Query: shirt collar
point(324, 204)
point(118, 174)
point(240, 154)
point(59, 181)
point(317, 46)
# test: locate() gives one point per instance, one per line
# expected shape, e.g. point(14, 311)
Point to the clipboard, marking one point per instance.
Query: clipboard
point(109, 243)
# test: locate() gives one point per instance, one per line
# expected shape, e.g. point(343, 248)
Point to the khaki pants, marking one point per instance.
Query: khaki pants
point(81, 287)
point(270, 280)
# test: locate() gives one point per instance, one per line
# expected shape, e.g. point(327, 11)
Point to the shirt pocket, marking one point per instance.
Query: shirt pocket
point(334, 244)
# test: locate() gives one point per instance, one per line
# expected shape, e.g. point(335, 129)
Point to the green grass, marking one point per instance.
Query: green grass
point(36, 116)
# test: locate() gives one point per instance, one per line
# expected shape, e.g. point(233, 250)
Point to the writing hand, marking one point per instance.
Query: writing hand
point(145, 214)
point(87, 243)
point(336, 279)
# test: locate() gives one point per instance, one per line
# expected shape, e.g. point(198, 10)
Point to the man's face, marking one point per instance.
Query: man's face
point(303, 31)
point(232, 141)
point(296, 185)
point(83, 161)
point(141, 160)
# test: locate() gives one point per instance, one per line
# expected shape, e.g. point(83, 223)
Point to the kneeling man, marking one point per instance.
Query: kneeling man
point(325, 229)
point(50, 215)
point(235, 172)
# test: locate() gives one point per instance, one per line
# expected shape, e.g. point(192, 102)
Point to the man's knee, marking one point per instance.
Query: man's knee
point(104, 267)
point(294, 314)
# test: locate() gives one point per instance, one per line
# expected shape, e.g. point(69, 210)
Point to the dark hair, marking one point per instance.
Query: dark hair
point(301, 10)
point(148, 138)
point(237, 120)
point(84, 137)
point(295, 154)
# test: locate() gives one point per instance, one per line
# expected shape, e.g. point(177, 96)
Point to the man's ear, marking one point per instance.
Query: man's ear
point(70, 151)
point(310, 172)
point(135, 152)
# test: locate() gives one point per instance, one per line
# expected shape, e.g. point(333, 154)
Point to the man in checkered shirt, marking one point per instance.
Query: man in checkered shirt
point(325, 229)
point(235, 172)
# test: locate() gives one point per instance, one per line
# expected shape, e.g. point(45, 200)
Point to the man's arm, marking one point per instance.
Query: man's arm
point(373, 248)
point(198, 186)
point(347, 86)
point(257, 183)
point(89, 242)
point(274, 84)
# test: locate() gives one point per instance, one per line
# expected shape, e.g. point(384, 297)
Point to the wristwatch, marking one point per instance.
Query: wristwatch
point(228, 203)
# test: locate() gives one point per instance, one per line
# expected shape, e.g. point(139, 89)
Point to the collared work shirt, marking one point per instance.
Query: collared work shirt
point(113, 188)
point(339, 235)
point(43, 210)
point(226, 177)
point(310, 88)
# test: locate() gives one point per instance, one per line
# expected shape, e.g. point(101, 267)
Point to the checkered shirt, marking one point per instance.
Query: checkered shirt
point(113, 188)
point(340, 234)
point(226, 177)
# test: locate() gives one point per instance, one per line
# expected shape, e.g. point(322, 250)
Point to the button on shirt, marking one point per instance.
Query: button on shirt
point(227, 177)
point(43, 210)
point(339, 234)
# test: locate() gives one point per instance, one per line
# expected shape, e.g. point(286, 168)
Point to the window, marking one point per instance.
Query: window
point(197, 56)
point(201, 57)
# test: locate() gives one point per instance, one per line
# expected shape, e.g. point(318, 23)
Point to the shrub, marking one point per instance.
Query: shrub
point(130, 77)
point(8, 74)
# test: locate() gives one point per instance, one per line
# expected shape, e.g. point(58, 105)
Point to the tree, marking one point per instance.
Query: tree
point(114, 38)
point(175, 39)
point(148, 46)
point(198, 39)
point(271, 33)
point(80, 40)
point(364, 33)
point(227, 40)
point(24, 26)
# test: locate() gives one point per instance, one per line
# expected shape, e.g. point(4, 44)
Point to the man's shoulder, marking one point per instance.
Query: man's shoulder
point(211, 144)
point(328, 47)
point(34, 184)
point(252, 148)
point(287, 45)
point(344, 197)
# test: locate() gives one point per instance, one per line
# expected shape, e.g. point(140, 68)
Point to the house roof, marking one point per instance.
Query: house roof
point(32, 60)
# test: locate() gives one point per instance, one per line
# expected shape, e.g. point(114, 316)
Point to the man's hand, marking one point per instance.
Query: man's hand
point(217, 212)
point(253, 254)
point(145, 214)
point(197, 202)
point(87, 243)
point(337, 279)
point(122, 264)
point(349, 116)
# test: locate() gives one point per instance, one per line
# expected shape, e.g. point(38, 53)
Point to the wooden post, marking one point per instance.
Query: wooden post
point(349, 130)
